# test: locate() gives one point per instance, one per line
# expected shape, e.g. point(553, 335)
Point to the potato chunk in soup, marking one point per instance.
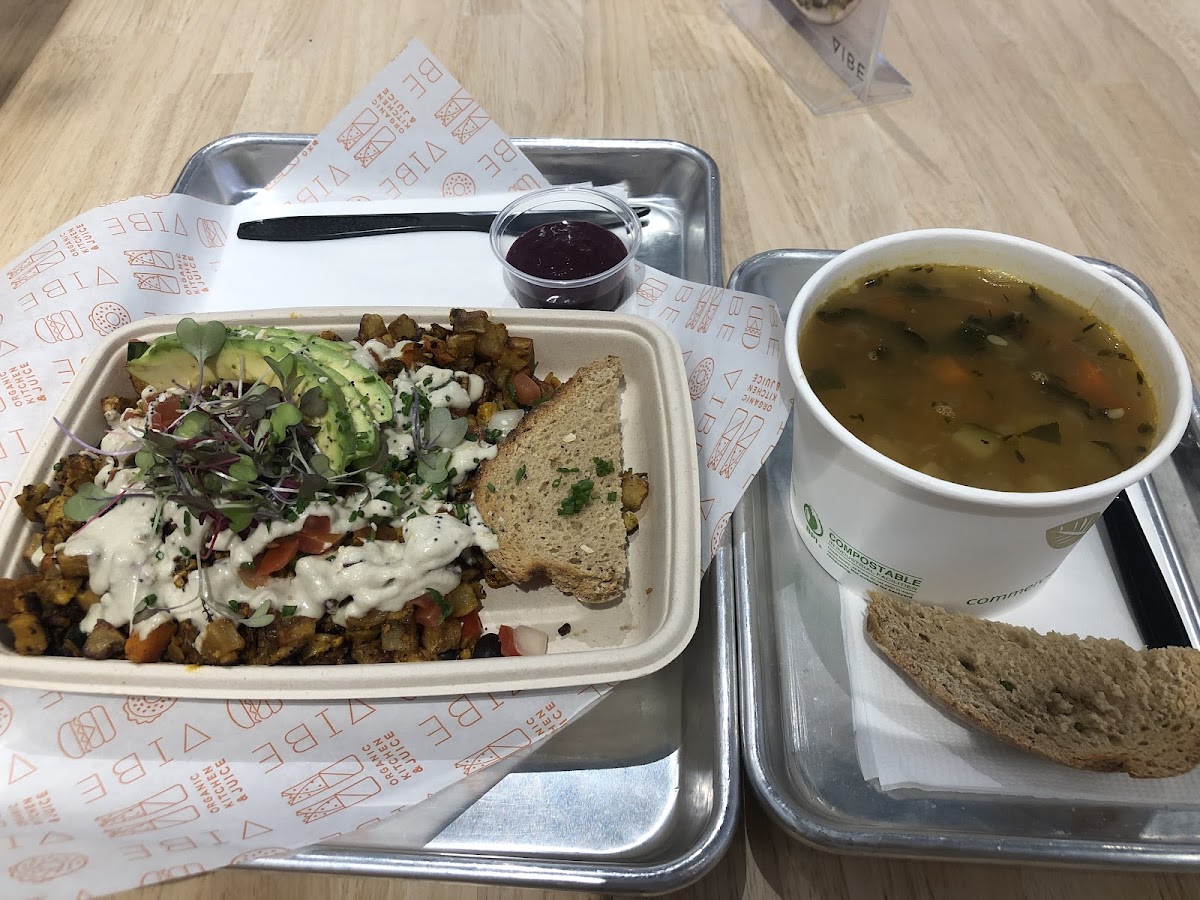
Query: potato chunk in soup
point(979, 378)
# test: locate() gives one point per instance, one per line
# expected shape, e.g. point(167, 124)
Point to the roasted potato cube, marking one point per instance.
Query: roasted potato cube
point(220, 643)
point(86, 599)
point(29, 638)
point(437, 639)
point(403, 328)
point(31, 497)
point(105, 642)
point(73, 566)
point(399, 637)
point(631, 522)
point(371, 327)
point(634, 488)
point(76, 469)
point(56, 590)
point(13, 593)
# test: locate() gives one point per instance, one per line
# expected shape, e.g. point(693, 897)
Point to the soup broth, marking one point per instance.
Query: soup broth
point(979, 378)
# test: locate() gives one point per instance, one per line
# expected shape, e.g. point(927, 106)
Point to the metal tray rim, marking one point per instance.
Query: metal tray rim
point(515, 871)
point(810, 826)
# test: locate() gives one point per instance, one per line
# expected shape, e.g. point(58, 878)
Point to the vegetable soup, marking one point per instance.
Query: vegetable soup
point(980, 378)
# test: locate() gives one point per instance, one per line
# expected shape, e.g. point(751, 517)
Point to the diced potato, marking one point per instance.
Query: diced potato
point(371, 327)
point(634, 490)
point(31, 497)
point(29, 638)
point(978, 442)
point(56, 590)
point(73, 566)
point(221, 643)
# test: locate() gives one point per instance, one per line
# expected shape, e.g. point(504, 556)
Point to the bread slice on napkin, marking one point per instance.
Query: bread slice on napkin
point(1088, 703)
point(520, 493)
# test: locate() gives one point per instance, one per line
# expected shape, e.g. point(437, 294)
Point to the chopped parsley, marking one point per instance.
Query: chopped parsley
point(564, 469)
point(491, 487)
point(150, 599)
point(603, 466)
point(612, 495)
point(578, 496)
point(520, 475)
point(288, 610)
point(444, 606)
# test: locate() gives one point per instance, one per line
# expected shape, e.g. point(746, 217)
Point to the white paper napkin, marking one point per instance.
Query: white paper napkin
point(905, 741)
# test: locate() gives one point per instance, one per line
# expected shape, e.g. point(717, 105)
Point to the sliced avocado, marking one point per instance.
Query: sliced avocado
point(165, 363)
point(376, 391)
point(366, 433)
point(339, 355)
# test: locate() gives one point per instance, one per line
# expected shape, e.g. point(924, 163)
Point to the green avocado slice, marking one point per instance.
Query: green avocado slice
point(366, 432)
point(165, 363)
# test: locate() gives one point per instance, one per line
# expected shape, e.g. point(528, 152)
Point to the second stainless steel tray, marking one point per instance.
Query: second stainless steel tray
point(643, 793)
point(797, 726)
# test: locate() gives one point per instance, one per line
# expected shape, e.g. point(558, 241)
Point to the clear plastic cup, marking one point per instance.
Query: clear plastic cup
point(559, 233)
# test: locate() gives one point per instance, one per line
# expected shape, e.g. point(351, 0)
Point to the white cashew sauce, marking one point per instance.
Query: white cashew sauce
point(129, 560)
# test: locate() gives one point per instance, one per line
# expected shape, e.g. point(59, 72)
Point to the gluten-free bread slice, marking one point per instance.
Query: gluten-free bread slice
point(1089, 703)
point(550, 456)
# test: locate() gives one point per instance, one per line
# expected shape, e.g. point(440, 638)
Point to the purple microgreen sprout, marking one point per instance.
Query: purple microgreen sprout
point(86, 446)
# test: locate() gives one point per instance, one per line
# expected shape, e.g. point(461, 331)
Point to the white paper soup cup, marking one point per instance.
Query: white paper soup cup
point(875, 524)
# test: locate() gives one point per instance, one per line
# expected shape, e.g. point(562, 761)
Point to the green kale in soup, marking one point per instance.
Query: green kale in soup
point(976, 377)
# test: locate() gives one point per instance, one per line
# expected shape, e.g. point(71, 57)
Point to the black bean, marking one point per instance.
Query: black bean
point(486, 647)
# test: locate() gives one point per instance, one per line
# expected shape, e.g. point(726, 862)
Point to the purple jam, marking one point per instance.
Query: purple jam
point(568, 251)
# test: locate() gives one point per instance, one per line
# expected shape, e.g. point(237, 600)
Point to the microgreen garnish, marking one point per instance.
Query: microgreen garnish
point(202, 341)
point(88, 500)
point(578, 496)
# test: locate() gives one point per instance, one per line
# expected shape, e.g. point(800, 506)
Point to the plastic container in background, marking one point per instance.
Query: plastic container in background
point(567, 248)
point(874, 524)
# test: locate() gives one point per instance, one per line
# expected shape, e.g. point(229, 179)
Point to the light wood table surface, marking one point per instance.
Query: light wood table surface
point(1076, 123)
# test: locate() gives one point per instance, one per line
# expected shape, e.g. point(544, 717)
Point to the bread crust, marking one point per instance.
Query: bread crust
point(533, 538)
point(1088, 703)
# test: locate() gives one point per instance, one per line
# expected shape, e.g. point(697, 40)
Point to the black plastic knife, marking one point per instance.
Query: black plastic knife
point(333, 228)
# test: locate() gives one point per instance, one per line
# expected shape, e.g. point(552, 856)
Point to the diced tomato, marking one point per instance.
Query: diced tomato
point(316, 537)
point(429, 613)
point(278, 555)
point(164, 413)
point(527, 391)
point(252, 579)
point(508, 642)
point(428, 616)
point(472, 627)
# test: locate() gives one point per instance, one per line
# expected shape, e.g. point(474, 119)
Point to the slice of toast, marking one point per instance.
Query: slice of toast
point(520, 493)
point(1088, 703)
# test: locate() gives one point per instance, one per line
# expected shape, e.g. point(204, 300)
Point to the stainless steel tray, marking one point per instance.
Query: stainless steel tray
point(643, 793)
point(797, 730)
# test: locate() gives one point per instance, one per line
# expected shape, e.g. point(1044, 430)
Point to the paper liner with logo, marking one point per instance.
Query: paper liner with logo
point(141, 790)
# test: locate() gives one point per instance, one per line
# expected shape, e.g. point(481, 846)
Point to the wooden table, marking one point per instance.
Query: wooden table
point(1076, 123)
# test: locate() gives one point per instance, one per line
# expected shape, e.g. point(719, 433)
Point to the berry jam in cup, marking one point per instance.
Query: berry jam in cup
point(567, 248)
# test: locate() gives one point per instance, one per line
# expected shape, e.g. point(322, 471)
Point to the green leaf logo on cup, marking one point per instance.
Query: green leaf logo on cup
point(883, 520)
point(812, 522)
point(1060, 537)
